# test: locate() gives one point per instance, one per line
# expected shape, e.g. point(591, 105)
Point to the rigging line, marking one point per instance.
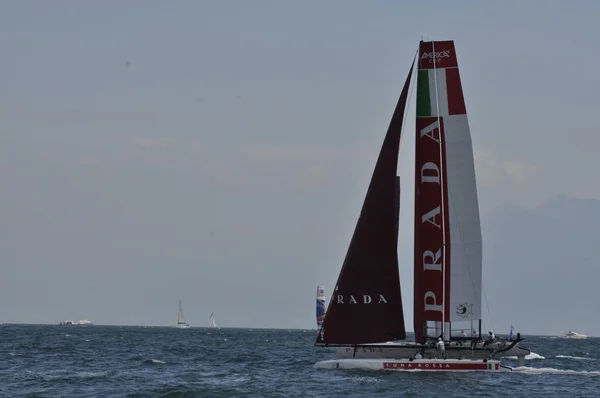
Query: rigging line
point(442, 207)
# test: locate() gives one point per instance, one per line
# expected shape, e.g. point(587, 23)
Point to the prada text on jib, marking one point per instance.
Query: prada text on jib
point(366, 299)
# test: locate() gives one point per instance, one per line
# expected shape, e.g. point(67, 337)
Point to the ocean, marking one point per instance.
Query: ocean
point(126, 361)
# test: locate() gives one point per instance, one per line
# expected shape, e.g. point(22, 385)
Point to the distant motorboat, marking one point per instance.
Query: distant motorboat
point(573, 335)
point(82, 322)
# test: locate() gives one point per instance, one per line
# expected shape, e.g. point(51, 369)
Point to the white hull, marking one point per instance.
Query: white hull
point(430, 365)
point(408, 350)
point(573, 335)
point(182, 326)
point(76, 323)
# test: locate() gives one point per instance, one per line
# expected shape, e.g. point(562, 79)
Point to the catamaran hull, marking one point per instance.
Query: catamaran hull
point(408, 350)
point(429, 365)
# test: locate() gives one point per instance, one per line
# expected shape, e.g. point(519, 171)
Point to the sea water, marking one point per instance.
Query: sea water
point(119, 361)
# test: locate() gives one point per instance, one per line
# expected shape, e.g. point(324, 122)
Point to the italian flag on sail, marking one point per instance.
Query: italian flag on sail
point(439, 93)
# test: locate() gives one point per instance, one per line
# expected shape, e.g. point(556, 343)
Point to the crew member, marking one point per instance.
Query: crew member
point(440, 348)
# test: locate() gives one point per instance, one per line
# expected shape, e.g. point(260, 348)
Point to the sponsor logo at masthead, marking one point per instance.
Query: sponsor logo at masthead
point(435, 55)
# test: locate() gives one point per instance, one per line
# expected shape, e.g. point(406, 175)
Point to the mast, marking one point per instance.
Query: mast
point(366, 305)
point(447, 252)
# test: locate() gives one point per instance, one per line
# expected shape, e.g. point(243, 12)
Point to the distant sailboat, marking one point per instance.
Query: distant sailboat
point(320, 305)
point(211, 321)
point(181, 323)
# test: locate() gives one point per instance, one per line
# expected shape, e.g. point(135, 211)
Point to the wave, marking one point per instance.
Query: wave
point(531, 370)
point(577, 358)
point(156, 361)
point(532, 355)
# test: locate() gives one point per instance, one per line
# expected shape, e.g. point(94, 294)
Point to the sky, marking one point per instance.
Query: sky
point(218, 152)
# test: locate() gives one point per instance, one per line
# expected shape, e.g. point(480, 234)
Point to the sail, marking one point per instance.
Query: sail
point(447, 247)
point(180, 317)
point(211, 321)
point(366, 305)
point(320, 305)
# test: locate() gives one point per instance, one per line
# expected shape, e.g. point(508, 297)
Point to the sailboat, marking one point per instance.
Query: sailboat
point(181, 323)
point(365, 318)
point(320, 305)
point(211, 321)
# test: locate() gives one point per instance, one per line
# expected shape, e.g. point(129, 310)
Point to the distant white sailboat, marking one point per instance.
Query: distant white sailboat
point(181, 323)
point(211, 321)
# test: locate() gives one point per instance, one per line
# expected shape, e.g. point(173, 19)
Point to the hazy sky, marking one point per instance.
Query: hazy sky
point(218, 152)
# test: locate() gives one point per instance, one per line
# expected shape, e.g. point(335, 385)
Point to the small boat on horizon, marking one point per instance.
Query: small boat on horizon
point(572, 335)
point(181, 323)
point(83, 322)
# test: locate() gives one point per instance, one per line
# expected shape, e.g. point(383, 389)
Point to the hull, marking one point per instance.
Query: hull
point(75, 323)
point(407, 350)
point(427, 365)
point(573, 335)
point(180, 326)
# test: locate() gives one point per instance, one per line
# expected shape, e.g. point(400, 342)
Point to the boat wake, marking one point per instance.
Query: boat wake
point(154, 361)
point(533, 355)
point(576, 358)
point(531, 370)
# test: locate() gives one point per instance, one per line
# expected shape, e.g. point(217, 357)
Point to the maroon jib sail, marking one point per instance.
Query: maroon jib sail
point(366, 304)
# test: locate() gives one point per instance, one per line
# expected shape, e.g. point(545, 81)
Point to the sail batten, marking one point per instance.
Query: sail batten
point(366, 304)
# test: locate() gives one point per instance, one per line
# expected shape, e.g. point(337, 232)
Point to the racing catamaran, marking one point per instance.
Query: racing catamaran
point(365, 316)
